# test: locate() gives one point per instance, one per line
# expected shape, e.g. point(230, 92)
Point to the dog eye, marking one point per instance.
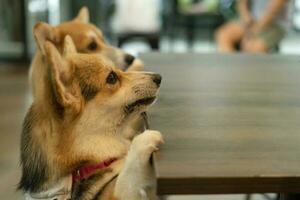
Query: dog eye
point(92, 46)
point(112, 78)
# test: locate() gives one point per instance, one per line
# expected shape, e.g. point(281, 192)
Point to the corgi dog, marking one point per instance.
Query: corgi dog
point(87, 39)
point(73, 145)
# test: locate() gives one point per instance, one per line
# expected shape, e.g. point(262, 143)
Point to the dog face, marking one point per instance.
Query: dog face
point(87, 39)
point(100, 96)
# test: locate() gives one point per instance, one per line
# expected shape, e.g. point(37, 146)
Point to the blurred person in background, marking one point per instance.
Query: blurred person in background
point(131, 16)
point(196, 7)
point(258, 27)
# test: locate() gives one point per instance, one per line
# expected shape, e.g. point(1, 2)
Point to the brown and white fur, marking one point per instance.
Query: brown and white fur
point(87, 39)
point(79, 119)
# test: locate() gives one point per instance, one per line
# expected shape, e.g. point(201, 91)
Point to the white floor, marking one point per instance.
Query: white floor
point(289, 45)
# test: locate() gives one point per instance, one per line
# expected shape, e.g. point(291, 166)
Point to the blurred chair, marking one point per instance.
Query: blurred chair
point(105, 13)
point(192, 18)
point(137, 19)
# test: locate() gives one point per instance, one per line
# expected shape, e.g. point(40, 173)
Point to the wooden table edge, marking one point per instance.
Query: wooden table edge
point(225, 185)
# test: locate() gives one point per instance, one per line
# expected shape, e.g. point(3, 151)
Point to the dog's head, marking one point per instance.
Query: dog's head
point(89, 88)
point(87, 39)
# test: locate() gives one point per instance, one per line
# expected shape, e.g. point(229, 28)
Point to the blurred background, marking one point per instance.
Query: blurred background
point(168, 25)
point(137, 26)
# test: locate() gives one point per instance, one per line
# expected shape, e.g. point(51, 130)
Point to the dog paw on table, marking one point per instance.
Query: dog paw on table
point(146, 143)
point(137, 179)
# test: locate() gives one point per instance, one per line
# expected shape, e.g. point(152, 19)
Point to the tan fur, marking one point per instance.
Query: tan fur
point(75, 127)
point(83, 34)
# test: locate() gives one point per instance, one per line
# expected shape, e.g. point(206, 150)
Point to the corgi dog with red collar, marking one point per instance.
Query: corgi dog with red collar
point(87, 38)
point(73, 145)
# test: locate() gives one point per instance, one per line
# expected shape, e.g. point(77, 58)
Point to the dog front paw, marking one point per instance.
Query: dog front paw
point(146, 143)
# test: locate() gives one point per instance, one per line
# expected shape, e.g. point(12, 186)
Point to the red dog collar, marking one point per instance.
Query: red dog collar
point(84, 172)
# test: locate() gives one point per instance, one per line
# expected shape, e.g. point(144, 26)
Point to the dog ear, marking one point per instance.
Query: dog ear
point(137, 65)
point(43, 32)
point(83, 15)
point(69, 46)
point(60, 72)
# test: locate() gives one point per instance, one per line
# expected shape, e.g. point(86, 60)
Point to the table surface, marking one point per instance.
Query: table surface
point(231, 123)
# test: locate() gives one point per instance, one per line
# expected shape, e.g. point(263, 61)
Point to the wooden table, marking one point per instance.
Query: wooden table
point(231, 123)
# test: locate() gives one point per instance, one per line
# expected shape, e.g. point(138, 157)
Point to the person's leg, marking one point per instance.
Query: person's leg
point(254, 45)
point(265, 41)
point(228, 35)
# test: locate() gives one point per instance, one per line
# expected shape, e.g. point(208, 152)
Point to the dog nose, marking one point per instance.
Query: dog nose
point(156, 79)
point(129, 59)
